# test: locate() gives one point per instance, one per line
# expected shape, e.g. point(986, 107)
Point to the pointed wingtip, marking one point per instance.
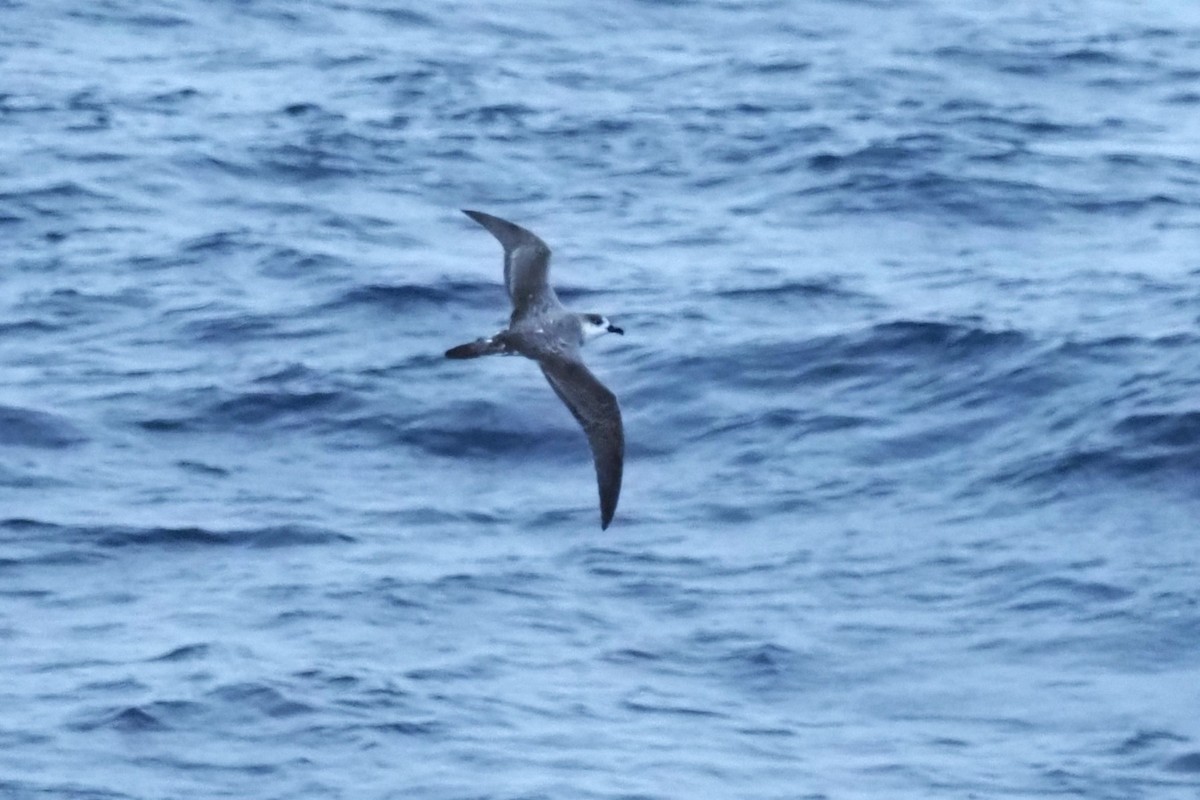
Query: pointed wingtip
point(483, 219)
point(486, 220)
point(607, 512)
point(509, 234)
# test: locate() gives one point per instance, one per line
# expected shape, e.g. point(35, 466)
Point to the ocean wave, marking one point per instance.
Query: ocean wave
point(1177, 431)
point(404, 298)
point(121, 536)
point(1058, 593)
point(26, 427)
point(872, 354)
point(214, 410)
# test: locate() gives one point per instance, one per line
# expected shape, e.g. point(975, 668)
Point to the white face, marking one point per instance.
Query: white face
point(594, 325)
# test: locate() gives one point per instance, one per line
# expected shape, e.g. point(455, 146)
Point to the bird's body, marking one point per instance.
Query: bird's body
point(543, 330)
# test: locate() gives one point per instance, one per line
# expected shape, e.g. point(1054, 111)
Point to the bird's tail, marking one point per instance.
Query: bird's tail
point(480, 347)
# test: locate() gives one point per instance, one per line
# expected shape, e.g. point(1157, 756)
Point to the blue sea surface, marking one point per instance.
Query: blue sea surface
point(910, 380)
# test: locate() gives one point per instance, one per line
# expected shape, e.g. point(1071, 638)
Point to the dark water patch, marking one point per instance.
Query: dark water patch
point(1172, 431)
point(792, 292)
point(488, 443)
point(762, 663)
point(114, 15)
point(647, 701)
point(20, 738)
point(475, 429)
point(954, 198)
point(1005, 132)
point(24, 427)
point(260, 698)
point(789, 423)
point(410, 727)
point(310, 113)
point(937, 439)
point(632, 655)
point(172, 99)
point(97, 114)
point(224, 242)
point(1187, 763)
point(325, 678)
point(322, 158)
point(1077, 467)
point(403, 298)
point(165, 537)
point(1125, 205)
point(199, 468)
point(187, 652)
point(1145, 740)
point(28, 327)
point(24, 525)
point(278, 408)
point(1061, 593)
point(224, 165)
point(503, 114)
point(65, 558)
point(74, 790)
point(1041, 59)
point(402, 17)
point(71, 307)
point(943, 356)
point(1087, 55)
point(131, 719)
point(511, 583)
point(189, 766)
point(587, 127)
point(268, 537)
point(57, 201)
point(234, 328)
point(776, 66)
point(944, 340)
point(290, 263)
point(118, 536)
point(155, 716)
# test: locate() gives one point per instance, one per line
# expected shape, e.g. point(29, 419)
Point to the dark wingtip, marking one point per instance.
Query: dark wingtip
point(486, 220)
point(606, 513)
point(509, 234)
point(468, 350)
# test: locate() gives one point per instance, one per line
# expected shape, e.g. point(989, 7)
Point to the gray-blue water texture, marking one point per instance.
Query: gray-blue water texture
point(911, 385)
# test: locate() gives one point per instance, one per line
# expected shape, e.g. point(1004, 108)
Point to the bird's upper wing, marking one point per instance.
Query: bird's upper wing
point(596, 409)
point(526, 265)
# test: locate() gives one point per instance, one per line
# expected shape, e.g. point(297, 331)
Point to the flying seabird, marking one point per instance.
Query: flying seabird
point(542, 329)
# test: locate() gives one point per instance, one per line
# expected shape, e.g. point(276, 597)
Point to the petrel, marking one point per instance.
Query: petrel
point(542, 329)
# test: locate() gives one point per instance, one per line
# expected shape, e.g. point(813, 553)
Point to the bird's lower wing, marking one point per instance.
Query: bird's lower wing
point(596, 409)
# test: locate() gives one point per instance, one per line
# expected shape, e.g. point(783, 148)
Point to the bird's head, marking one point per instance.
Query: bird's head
point(596, 325)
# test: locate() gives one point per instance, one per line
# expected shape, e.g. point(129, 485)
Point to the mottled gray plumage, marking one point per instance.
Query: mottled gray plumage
point(542, 329)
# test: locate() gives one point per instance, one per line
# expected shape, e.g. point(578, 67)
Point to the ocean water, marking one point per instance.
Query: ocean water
point(911, 385)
